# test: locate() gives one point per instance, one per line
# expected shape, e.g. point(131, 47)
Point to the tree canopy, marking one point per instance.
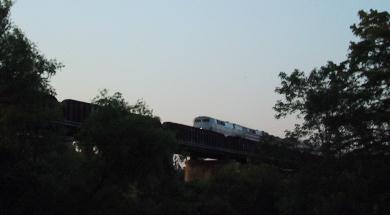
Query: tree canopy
point(129, 154)
point(33, 161)
point(345, 106)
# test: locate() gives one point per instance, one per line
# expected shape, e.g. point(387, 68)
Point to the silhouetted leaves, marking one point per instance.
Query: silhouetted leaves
point(345, 106)
point(129, 153)
point(34, 160)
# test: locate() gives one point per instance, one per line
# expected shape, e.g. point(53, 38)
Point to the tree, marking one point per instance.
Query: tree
point(32, 164)
point(129, 156)
point(345, 106)
point(26, 98)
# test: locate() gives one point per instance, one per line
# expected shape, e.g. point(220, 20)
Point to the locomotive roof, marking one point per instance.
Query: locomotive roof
point(207, 117)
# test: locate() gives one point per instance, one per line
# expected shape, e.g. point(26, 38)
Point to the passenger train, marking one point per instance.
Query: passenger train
point(227, 128)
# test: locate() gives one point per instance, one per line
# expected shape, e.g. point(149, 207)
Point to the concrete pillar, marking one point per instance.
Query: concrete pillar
point(201, 169)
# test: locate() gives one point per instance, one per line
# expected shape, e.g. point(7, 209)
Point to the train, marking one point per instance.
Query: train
point(227, 128)
point(75, 112)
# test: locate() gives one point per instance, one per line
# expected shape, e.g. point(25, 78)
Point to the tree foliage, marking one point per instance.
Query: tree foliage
point(33, 158)
point(345, 106)
point(127, 150)
point(27, 103)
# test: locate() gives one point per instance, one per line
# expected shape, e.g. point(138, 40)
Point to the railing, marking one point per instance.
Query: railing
point(203, 142)
point(211, 141)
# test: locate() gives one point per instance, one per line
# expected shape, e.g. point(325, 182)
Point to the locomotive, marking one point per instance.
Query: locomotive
point(227, 128)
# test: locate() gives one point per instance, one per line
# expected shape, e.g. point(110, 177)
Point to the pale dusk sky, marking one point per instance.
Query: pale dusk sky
point(218, 58)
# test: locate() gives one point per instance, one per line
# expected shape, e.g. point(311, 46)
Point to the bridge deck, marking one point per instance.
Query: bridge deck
point(208, 143)
point(200, 142)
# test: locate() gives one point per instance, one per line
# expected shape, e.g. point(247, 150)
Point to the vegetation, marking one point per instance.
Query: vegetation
point(345, 106)
point(123, 162)
point(345, 109)
point(128, 158)
point(33, 158)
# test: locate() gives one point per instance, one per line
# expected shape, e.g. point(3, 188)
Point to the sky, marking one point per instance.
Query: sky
point(218, 58)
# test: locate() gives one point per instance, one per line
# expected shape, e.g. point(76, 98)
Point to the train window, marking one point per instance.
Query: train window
point(220, 122)
point(205, 120)
point(197, 120)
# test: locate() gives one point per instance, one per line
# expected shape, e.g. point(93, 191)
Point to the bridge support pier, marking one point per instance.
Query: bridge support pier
point(202, 169)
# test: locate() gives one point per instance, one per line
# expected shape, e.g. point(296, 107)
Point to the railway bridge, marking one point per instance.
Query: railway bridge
point(200, 143)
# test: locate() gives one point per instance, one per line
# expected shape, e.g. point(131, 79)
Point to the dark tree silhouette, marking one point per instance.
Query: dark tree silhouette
point(129, 155)
point(345, 106)
point(32, 164)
